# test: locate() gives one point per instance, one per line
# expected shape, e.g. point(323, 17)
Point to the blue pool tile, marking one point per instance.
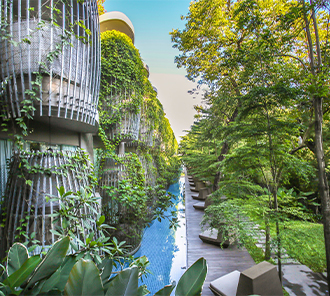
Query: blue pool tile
point(164, 247)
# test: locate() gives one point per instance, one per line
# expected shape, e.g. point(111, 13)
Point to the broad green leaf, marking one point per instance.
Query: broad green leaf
point(17, 255)
point(101, 220)
point(106, 267)
point(125, 283)
point(21, 275)
point(191, 282)
point(51, 293)
point(84, 279)
point(51, 282)
point(65, 270)
point(61, 190)
point(167, 290)
point(51, 262)
point(34, 291)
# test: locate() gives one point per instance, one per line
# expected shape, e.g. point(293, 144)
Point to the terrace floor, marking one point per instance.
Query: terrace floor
point(297, 279)
point(219, 261)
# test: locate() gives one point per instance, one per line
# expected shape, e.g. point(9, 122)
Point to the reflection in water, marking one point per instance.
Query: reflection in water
point(164, 247)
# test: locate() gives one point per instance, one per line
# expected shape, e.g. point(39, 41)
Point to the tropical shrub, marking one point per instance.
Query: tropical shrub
point(60, 274)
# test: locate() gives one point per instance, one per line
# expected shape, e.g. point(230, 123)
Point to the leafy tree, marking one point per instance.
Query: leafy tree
point(250, 52)
point(100, 6)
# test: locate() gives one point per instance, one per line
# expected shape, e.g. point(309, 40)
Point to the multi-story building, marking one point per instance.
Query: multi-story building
point(49, 89)
point(50, 78)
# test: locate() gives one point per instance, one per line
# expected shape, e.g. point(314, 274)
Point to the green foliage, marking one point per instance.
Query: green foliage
point(122, 80)
point(201, 146)
point(304, 241)
point(134, 171)
point(192, 280)
point(17, 255)
point(168, 168)
point(61, 274)
point(121, 64)
point(167, 290)
point(125, 283)
point(89, 237)
point(229, 217)
point(84, 279)
point(35, 275)
point(133, 198)
point(262, 62)
point(256, 253)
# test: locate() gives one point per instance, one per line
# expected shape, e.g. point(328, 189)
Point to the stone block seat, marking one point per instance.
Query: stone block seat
point(198, 186)
point(199, 206)
point(202, 193)
point(261, 279)
point(202, 205)
point(214, 237)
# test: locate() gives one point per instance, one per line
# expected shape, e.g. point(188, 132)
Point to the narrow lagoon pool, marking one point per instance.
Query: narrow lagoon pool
point(166, 248)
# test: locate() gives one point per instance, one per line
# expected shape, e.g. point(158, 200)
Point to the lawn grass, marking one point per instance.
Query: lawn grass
point(256, 253)
point(304, 241)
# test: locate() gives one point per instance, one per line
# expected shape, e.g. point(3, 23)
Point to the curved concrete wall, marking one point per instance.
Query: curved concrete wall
point(115, 20)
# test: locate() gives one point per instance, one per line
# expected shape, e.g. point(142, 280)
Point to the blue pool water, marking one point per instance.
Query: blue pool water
point(166, 248)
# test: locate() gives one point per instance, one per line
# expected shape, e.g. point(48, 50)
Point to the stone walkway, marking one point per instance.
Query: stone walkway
point(297, 279)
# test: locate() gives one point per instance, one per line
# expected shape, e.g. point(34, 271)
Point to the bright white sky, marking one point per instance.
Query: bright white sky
point(152, 21)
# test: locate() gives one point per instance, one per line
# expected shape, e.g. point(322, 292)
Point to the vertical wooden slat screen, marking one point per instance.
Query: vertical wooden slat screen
point(30, 202)
point(70, 82)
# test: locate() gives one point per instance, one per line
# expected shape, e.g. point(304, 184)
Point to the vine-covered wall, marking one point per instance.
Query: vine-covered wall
point(127, 96)
point(130, 113)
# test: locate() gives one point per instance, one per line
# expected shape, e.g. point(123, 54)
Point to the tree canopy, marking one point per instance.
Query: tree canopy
point(266, 68)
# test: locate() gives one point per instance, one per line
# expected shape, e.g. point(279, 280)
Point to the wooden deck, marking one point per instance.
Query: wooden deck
point(219, 261)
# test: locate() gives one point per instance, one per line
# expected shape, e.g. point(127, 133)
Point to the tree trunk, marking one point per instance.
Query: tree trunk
point(224, 151)
point(323, 180)
point(318, 143)
point(279, 247)
point(225, 145)
point(267, 244)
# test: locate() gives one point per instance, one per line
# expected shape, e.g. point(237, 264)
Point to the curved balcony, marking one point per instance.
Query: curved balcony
point(26, 204)
point(115, 213)
point(65, 56)
point(126, 121)
point(146, 134)
point(150, 172)
point(158, 142)
point(126, 129)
